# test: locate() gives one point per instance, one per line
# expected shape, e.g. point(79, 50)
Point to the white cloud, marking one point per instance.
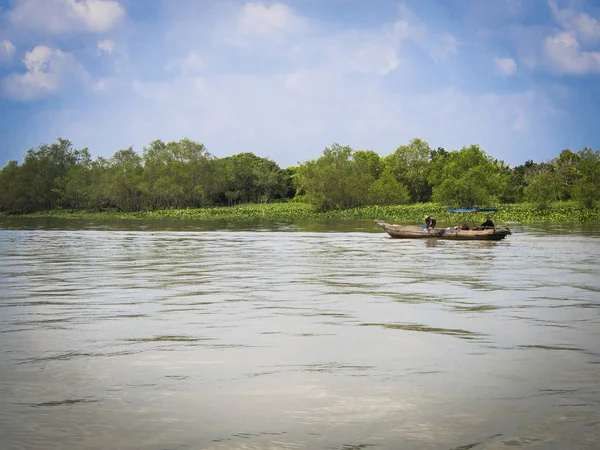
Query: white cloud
point(7, 50)
point(570, 45)
point(375, 52)
point(292, 116)
point(192, 63)
point(116, 57)
point(66, 16)
point(104, 84)
point(189, 66)
point(446, 46)
point(521, 122)
point(100, 85)
point(106, 47)
point(46, 68)
point(588, 27)
point(199, 83)
point(506, 66)
point(258, 19)
point(354, 52)
point(373, 58)
point(403, 30)
point(564, 51)
point(408, 26)
point(565, 54)
point(159, 92)
point(290, 100)
point(582, 25)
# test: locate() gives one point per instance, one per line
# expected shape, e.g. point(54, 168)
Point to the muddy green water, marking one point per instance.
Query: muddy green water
point(328, 335)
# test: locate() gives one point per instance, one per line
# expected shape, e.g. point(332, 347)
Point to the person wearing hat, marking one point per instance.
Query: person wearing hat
point(488, 222)
point(430, 222)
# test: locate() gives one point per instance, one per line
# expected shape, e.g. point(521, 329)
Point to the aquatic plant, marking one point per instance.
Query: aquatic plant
point(295, 211)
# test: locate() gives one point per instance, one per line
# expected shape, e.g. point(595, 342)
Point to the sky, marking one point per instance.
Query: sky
point(285, 79)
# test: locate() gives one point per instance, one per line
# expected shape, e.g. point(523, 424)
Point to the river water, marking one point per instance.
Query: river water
point(182, 335)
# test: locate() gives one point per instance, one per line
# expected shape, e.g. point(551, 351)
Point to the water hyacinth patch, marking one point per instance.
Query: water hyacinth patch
point(294, 211)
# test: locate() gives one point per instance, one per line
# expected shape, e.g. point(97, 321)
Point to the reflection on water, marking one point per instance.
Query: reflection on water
point(321, 335)
point(317, 226)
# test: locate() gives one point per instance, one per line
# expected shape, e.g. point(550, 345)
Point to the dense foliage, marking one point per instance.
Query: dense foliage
point(167, 175)
point(181, 175)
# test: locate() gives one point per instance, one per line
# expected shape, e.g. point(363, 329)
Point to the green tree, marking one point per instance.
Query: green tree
point(368, 162)
point(289, 185)
point(465, 178)
point(543, 188)
point(586, 187)
point(410, 165)
point(192, 169)
point(74, 188)
point(41, 170)
point(123, 180)
point(100, 184)
point(178, 174)
point(184, 174)
point(514, 192)
point(246, 177)
point(13, 189)
point(566, 170)
point(386, 190)
point(332, 181)
point(159, 182)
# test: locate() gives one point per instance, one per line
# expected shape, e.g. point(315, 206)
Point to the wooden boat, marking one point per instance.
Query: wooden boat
point(459, 233)
point(406, 232)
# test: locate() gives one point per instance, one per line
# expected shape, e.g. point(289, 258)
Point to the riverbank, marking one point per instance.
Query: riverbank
point(408, 214)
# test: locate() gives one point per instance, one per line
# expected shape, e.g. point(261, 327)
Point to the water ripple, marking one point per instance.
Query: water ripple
point(134, 336)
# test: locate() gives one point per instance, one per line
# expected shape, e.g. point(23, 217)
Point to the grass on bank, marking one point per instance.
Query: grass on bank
point(407, 214)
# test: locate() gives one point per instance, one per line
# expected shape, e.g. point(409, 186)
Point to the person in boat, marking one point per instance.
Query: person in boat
point(430, 222)
point(488, 223)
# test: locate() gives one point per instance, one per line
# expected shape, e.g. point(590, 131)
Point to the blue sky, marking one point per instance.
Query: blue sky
point(285, 79)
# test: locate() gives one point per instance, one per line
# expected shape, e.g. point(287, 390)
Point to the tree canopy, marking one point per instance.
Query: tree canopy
point(184, 174)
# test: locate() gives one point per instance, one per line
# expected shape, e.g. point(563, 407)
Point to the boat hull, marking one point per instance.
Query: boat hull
point(456, 234)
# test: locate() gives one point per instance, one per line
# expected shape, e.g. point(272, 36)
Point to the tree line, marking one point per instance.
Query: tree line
point(184, 174)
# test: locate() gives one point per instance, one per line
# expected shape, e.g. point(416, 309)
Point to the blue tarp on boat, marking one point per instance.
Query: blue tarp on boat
point(469, 210)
